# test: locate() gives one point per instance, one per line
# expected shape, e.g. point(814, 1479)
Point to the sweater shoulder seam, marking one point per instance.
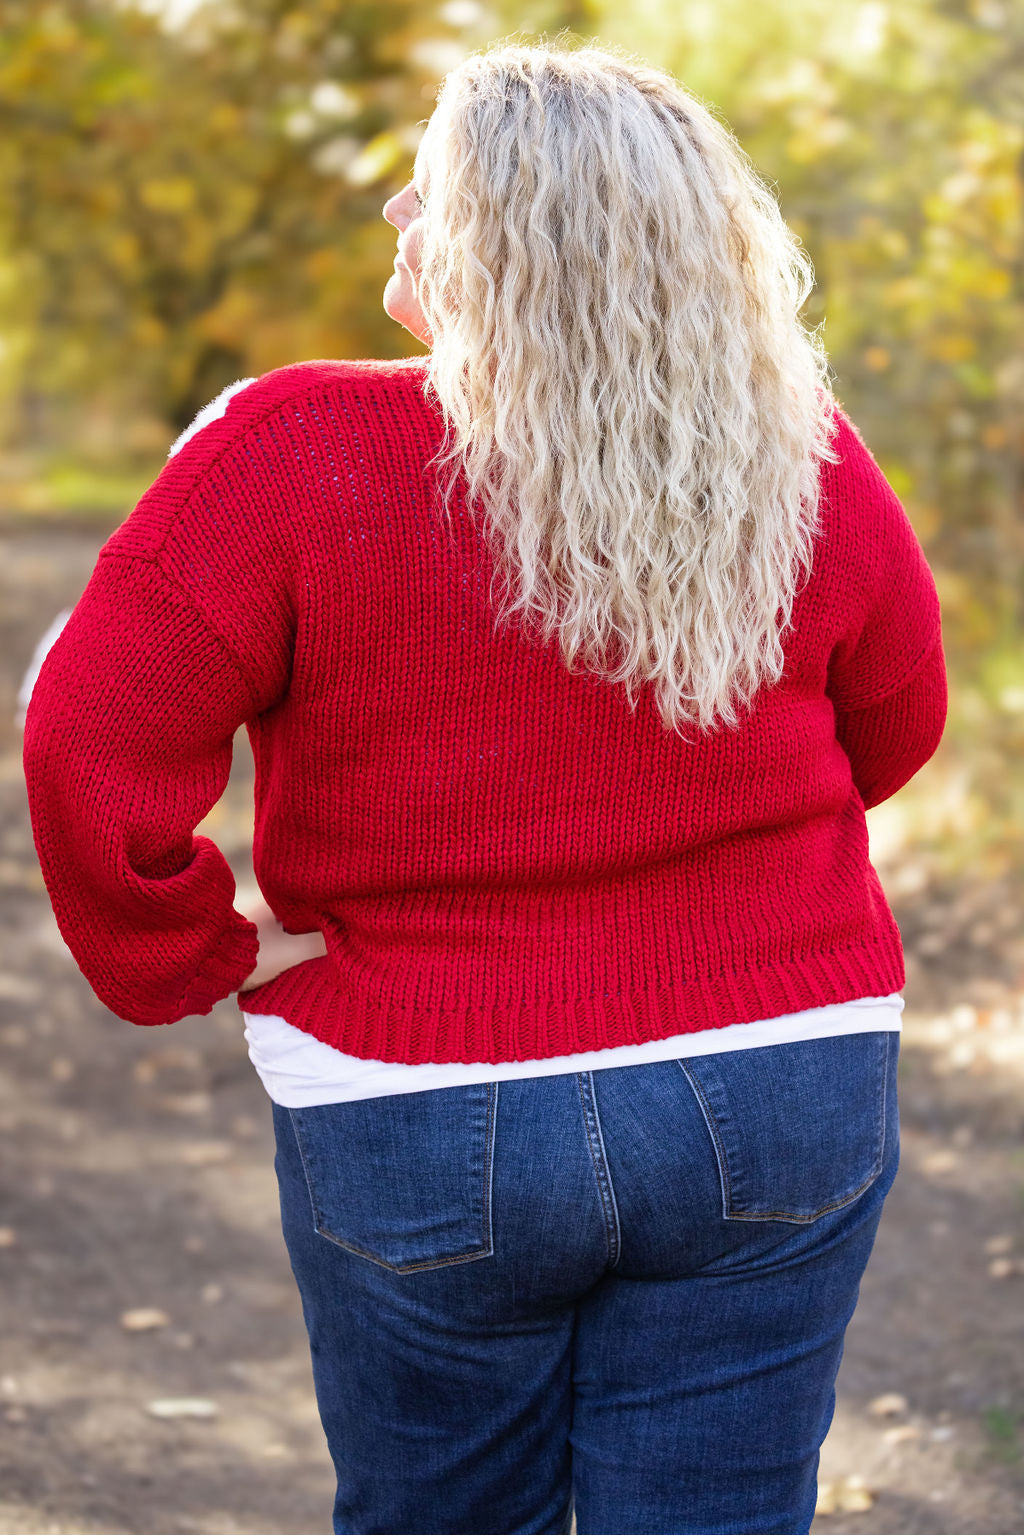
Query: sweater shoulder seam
point(304, 389)
point(172, 581)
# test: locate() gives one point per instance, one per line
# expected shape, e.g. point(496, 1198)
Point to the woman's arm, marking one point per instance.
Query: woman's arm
point(128, 743)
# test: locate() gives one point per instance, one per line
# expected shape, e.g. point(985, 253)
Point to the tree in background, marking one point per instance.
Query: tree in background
point(181, 207)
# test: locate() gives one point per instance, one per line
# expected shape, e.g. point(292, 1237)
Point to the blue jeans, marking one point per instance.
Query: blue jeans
point(621, 1291)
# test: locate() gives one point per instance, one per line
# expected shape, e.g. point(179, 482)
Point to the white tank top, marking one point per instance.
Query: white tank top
point(300, 1071)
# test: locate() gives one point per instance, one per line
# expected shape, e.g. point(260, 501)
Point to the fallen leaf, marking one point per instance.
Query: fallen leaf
point(1001, 1268)
point(847, 1496)
point(1003, 1243)
point(204, 1153)
point(143, 1318)
point(182, 1407)
point(939, 1162)
point(854, 1496)
point(212, 1293)
point(828, 1502)
point(888, 1405)
point(186, 1103)
point(18, 987)
point(904, 1433)
point(8, 1236)
point(148, 1068)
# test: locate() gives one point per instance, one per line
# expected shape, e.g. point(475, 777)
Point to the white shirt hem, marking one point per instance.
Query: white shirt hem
point(300, 1071)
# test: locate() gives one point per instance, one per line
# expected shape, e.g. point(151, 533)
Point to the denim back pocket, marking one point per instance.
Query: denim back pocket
point(799, 1129)
point(404, 1179)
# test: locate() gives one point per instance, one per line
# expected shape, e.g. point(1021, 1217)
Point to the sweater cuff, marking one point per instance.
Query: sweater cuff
point(233, 957)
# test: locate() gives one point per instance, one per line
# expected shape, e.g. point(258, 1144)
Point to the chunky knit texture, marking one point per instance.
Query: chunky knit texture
point(505, 861)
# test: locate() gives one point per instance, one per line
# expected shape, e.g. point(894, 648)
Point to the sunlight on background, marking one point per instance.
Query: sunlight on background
point(173, 15)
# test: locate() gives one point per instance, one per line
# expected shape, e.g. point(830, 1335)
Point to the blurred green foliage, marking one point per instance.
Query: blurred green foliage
point(192, 192)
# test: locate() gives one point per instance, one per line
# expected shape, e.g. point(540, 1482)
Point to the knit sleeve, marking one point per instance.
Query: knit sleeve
point(889, 741)
point(889, 598)
point(128, 743)
point(886, 671)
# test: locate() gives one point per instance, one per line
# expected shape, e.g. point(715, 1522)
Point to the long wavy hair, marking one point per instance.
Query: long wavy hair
point(612, 296)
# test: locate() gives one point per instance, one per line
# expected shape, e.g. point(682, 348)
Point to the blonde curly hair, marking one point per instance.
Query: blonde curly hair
point(612, 296)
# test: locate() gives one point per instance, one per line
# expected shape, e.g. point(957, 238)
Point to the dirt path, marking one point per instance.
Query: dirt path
point(137, 1173)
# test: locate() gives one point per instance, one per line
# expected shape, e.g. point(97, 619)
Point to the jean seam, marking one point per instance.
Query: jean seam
point(602, 1174)
point(487, 1234)
point(724, 1181)
point(883, 1067)
point(403, 1268)
point(306, 1172)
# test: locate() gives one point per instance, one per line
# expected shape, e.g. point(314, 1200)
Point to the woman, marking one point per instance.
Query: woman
point(582, 1024)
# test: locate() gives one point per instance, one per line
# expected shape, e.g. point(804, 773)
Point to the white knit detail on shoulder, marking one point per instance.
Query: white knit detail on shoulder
point(209, 413)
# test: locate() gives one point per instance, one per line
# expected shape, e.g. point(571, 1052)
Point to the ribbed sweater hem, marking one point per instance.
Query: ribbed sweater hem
point(308, 996)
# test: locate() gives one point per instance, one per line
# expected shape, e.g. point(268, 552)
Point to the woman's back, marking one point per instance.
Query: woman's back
point(506, 860)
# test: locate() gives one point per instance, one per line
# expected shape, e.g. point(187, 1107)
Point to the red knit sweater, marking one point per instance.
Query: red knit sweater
point(505, 861)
